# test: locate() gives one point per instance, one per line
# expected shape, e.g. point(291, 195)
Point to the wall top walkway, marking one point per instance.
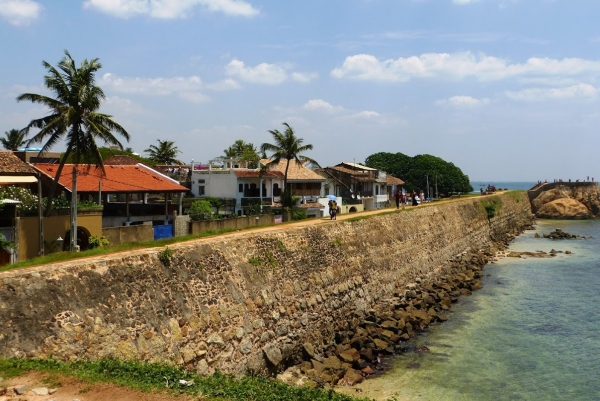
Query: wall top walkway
point(538, 189)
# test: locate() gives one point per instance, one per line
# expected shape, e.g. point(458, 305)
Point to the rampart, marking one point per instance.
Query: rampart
point(228, 302)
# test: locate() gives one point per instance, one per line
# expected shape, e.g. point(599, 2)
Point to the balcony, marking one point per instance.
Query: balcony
point(257, 201)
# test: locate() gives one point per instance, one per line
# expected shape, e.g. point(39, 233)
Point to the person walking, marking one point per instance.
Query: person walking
point(333, 210)
point(403, 199)
point(414, 198)
point(398, 196)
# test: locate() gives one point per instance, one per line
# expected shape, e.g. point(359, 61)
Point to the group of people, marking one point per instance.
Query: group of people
point(402, 199)
point(333, 209)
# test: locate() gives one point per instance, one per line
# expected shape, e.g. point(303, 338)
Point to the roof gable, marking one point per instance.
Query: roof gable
point(296, 171)
point(11, 164)
point(118, 178)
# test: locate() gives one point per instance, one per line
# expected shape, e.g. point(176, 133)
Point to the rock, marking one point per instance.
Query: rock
point(40, 391)
point(246, 346)
point(20, 390)
point(351, 378)
point(215, 338)
point(273, 354)
point(349, 356)
point(568, 252)
point(202, 368)
point(309, 350)
point(564, 208)
point(332, 363)
point(367, 370)
point(380, 344)
point(537, 235)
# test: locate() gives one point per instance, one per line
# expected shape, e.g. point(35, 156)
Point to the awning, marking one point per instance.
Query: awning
point(17, 179)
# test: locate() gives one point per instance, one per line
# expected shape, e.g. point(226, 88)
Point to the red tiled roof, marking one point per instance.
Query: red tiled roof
point(126, 178)
point(256, 174)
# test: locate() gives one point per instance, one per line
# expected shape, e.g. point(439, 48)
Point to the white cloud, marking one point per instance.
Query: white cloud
point(264, 73)
point(463, 101)
point(224, 85)
point(580, 91)
point(458, 66)
point(120, 105)
point(304, 77)
point(321, 105)
point(169, 9)
point(20, 12)
point(366, 114)
point(187, 88)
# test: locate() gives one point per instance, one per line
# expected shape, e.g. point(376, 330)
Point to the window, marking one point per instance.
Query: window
point(201, 190)
point(241, 188)
point(201, 181)
point(276, 190)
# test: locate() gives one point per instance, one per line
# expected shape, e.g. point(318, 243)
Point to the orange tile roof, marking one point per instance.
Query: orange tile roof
point(296, 171)
point(125, 178)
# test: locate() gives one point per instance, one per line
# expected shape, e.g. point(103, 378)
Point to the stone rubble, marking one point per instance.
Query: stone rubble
point(25, 393)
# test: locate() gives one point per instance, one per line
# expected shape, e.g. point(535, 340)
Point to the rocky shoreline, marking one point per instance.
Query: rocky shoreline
point(363, 343)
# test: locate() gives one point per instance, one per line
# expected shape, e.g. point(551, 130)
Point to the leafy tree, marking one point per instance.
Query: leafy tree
point(287, 147)
point(73, 116)
point(243, 151)
point(28, 200)
point(14, 139)
point(106, 153)
point(200, 210)
point(217, 203)
point(415, 170)
point(164, 153)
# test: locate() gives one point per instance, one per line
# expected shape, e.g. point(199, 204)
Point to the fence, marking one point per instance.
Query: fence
point(235, 223)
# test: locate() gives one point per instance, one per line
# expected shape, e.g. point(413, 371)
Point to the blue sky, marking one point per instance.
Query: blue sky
point(504, 89)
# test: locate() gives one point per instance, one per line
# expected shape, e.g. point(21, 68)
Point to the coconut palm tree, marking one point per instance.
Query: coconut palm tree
point(288, 147)
point(14, 139)
point(164, 153)
point(73, 115)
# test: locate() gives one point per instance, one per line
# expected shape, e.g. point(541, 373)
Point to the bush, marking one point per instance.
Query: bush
point(299, 214)
point(96, 241)
point(200, 210)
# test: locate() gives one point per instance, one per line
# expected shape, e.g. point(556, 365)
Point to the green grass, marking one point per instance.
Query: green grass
point(154, 377)
point(65, 256)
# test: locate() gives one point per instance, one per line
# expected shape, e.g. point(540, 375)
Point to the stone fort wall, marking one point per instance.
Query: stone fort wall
point(228, 302)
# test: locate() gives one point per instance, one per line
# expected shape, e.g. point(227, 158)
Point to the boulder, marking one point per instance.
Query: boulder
point(549, 196)
point(564, 208)
point(273, 354)
point(350, 355)
point(351, 378)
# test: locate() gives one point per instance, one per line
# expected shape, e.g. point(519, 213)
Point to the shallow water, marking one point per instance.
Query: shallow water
point(531, 333)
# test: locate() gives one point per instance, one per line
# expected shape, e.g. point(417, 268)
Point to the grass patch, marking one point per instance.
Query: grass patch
point(165, 256)
point(153, 377)
point(280, 246)
point(254, 261)
point(66, 256)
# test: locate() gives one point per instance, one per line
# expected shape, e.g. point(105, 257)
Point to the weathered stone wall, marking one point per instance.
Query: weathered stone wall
point(226, 302)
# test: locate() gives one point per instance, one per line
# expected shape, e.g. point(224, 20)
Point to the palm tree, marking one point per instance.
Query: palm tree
point(73, 115)
point(286, 147)
point(164, 153)
point(14, 139)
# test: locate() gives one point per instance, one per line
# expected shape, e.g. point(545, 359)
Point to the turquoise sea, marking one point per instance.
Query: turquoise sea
point(531, 333)
point(511, 185)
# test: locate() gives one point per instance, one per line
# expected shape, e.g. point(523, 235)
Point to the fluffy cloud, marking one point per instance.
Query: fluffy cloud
point(170, 8)
point(458, 66)
point(580, 91)
point(19, 12)
point(224, 85)
point(264, 73)
point(304, 78)
point(321, 105)
point(463, 101)
point(187, 88)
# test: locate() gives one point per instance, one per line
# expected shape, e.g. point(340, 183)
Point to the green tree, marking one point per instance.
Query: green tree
point(13, 139)
point(287, 147)
point(415, 171)
point(243, 151)
point(164, 153)
point(200, 210)
point(73, 115)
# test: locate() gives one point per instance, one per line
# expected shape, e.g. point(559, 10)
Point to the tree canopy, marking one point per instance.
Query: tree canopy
point(73, 115)
point(288, 147)
point(164, 153)
point(415, 170)
point(13, 139)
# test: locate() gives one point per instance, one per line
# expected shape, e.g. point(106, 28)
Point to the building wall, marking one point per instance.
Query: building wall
point(220, 184)
point(121, 235)
point(226, 302)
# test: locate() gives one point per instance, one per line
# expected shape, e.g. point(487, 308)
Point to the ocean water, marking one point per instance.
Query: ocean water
point(531, 333)
point(510, 185)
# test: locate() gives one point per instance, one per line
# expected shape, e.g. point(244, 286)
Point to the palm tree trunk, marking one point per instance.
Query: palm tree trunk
point(55, 182)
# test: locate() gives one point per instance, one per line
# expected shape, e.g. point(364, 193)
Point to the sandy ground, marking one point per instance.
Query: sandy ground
point(72, 389)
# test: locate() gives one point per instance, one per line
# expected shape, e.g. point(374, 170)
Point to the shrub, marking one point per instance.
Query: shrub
point(299, 214)
point(200, 210)
point(96, 241)
point(165, 256)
